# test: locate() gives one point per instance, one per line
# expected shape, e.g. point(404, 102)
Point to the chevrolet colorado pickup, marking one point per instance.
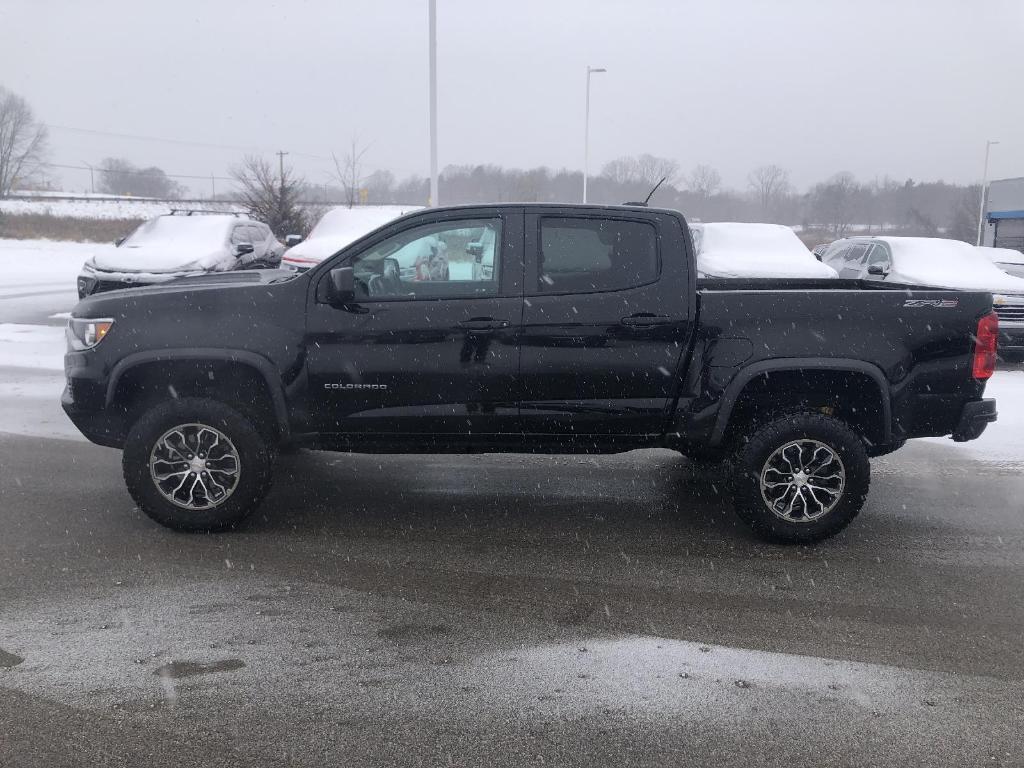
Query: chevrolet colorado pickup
point(590, 334)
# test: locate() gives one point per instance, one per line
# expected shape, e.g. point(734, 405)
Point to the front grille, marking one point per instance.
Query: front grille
point(102, 286)
point(1011, 314)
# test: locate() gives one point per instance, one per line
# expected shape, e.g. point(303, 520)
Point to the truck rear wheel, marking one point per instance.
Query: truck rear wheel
point(196, 464)
point(801, 478)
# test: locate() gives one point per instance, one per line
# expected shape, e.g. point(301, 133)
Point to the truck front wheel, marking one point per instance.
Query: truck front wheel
point(801, 478)
point(195, 464)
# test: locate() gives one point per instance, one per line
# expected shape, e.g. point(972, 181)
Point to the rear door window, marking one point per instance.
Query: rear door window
point(585, 255)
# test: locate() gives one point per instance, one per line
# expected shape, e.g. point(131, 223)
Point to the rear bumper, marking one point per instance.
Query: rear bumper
point(975, 416)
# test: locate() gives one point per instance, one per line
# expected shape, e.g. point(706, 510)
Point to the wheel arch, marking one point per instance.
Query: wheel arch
point(193, 360)
point(743, 380)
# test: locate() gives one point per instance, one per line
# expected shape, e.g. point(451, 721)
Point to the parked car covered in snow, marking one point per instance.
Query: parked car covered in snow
point(179, 244)
point(337, 228)
point(940, 263)
point(1007, 259)
point(733, 249)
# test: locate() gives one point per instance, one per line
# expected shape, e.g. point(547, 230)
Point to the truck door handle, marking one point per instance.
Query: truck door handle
point(483, 324)
point(645, 320)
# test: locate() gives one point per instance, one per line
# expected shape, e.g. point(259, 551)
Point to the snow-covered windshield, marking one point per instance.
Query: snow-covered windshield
point(195, 232)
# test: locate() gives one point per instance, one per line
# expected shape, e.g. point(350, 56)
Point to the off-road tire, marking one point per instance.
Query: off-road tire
point(759, 447)
point(254, 454)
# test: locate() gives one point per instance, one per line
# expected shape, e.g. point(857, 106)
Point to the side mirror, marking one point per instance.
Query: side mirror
point(117, 243)
point(243, 249)
point(341, 286)
point(877, 270)
point(291, 240)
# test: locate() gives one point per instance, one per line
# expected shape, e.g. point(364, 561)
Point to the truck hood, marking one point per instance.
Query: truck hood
point(154, 258)
point(206, 284)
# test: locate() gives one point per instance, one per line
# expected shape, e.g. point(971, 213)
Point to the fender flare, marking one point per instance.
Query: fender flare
point(735, 387)
point(266, 369)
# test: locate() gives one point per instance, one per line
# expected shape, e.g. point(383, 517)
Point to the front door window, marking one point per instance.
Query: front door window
point(455, 259)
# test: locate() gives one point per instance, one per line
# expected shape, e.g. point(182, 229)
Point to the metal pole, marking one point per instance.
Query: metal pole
point(92, 178)
point(586, 131)
point(434, 199)
point(586, 139)
point(984, 184)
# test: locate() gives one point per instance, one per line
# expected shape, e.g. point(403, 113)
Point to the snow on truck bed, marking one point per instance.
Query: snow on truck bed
point(731, 249)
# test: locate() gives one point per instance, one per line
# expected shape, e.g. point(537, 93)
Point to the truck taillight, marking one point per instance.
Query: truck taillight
point(985, 346)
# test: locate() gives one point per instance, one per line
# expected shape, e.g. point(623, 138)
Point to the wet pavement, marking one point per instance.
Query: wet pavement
point(507, 611)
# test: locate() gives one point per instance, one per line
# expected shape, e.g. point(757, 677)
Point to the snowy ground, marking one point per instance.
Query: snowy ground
point(97, 207)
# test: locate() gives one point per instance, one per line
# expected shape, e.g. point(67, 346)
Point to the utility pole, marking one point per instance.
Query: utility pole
point(280, 165)
point(92, 178)
point(433, 102)
point(984, 184)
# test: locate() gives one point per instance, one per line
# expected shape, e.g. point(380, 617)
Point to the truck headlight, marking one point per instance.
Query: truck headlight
point(87, 332)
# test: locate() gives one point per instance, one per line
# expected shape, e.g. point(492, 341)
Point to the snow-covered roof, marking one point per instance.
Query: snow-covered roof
point(946, 263)
point(341, 226)
point(733, 249)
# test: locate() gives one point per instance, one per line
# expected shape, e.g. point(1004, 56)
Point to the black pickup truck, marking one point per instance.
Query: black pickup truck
point(589, 332)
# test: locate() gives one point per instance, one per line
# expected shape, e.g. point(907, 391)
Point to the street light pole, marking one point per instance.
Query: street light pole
point(984, 184)
point(586, 131)
point(433, 102)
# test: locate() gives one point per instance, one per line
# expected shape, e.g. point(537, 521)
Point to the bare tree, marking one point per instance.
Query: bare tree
point(380, 186)
point(963, 221)
point(768, 182)
point(23, 142)
point(833, 203)
point(651, 169)
point(120, 177)
point(704, 181)
point(621, 171)
point(271, 195)
point(350, 171)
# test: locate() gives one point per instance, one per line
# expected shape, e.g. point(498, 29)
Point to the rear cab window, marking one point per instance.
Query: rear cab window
point(590, 255)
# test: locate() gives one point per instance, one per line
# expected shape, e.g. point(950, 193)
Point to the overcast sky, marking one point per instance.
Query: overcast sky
point(876, 87)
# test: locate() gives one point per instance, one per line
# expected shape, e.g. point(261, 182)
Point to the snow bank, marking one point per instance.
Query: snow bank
point(943, 263)
point(99, 207)
point(34, 264)
point(339, 227)
point(32, 346)
point(730, 249)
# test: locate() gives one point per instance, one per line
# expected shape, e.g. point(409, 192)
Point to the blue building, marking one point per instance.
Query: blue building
point(1004, 214)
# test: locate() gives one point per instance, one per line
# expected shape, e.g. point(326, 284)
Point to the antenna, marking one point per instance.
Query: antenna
point(648, 198)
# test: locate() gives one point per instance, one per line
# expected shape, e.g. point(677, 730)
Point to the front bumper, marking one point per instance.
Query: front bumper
point(975, 416)
point(90, 283)
point(1011, 336)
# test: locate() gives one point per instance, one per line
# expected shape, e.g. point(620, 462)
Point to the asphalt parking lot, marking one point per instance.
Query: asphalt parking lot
point(508, 610)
